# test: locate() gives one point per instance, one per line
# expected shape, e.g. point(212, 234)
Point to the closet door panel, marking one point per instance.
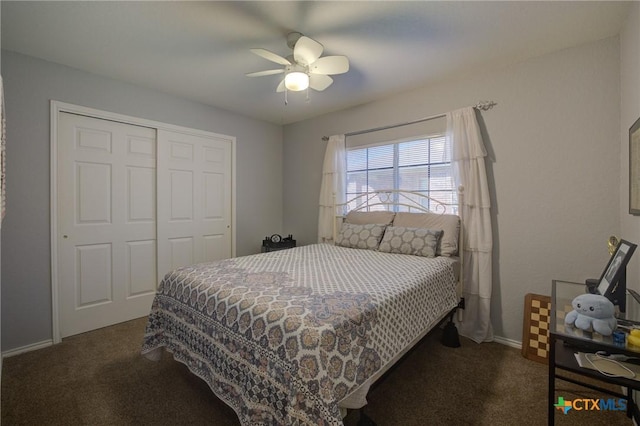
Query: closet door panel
point(141, 195)
point(194, 199)
point(181, 186)
point(106, 230)
point(141, 267)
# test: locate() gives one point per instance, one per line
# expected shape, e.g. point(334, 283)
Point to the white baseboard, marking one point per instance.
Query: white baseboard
point(28, 348)
point(507, 342)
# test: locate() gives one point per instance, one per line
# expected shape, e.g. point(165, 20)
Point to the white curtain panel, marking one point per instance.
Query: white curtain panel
point(468, 161)
point(333, 184)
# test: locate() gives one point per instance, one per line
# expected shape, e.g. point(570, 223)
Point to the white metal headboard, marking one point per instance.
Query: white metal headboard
point(390, 199)
point(394, 200)
point(407, 201)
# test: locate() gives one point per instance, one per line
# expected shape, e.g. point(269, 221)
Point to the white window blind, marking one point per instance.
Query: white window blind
point(422, 165)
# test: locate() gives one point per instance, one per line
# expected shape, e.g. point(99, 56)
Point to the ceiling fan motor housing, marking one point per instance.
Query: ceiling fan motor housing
point(295, 67)
point(292, 38)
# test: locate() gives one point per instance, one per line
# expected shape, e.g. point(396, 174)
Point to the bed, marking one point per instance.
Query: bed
point(298, 336)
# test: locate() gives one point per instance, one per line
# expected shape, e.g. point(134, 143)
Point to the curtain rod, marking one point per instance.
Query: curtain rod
point(483, 105)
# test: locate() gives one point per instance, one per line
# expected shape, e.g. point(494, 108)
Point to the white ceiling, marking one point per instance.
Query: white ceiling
point(200, 50)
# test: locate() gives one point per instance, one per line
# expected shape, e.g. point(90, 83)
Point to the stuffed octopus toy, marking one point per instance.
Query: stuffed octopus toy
point(592, 312)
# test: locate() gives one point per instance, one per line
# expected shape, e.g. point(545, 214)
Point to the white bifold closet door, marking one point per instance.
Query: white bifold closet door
point(133, 203)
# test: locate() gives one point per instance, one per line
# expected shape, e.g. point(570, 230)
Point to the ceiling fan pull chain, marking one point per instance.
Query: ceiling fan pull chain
point(286, 102)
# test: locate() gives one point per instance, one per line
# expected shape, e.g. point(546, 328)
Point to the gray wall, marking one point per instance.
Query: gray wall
point(1, 248)
point(554, 160)
point(558, 150)
point(29, 86)
point(629, 113)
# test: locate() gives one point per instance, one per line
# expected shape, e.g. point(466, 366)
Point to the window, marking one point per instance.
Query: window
point(422, 165)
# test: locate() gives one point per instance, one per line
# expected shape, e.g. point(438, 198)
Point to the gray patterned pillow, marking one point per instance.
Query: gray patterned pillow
point(360, 236)
point(415, 241)
point(450, 225)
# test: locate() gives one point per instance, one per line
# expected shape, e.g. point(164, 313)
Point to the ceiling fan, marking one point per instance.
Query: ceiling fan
point(304, 68)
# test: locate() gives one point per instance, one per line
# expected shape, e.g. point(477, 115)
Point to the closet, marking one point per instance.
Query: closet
point(130, 203)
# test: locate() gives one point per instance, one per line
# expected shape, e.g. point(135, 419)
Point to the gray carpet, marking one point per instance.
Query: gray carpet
point(99, 378)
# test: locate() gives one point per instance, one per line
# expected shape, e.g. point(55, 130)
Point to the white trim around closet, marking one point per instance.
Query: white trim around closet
point(56, 108)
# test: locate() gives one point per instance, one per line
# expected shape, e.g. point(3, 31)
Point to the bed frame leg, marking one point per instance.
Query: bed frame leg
point(450, 336)
point(365, 420)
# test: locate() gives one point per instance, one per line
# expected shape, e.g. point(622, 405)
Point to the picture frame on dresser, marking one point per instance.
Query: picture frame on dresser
point(634, 168)
point(612, 283)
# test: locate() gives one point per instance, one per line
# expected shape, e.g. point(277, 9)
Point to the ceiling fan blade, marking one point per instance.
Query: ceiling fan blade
point(330, 65)
point(266, 72)
point(280, 87)
point(307, 51)
point(270, 56)
point(319, 82)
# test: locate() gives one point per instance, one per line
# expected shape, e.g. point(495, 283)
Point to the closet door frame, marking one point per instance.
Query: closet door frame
point(58, 107)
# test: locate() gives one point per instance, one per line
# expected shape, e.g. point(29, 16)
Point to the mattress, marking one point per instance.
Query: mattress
point(284, 337)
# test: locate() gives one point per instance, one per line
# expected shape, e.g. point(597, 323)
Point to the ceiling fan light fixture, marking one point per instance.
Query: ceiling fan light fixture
point(305, 69)
point(296, 81)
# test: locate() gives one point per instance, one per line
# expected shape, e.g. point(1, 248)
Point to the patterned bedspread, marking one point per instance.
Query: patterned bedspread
point(283, 336)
